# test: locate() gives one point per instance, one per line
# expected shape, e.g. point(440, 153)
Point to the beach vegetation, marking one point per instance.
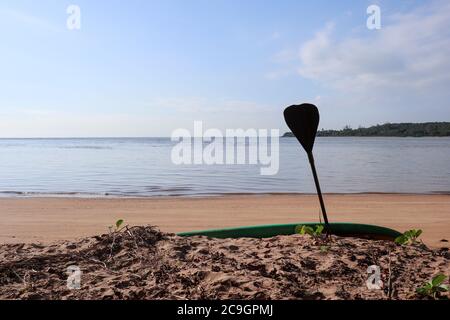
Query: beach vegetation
point(119, 223)
point(434, 287)
point(315, 232)
point(409, 237)
point(116, 227)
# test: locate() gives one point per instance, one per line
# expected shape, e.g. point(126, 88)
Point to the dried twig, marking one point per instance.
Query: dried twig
point(17, 275)
point(99, 262)
point(112, 246)
point(389, 278)
point(132, 236)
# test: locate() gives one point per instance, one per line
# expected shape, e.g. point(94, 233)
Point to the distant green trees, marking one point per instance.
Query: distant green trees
point(426, 129)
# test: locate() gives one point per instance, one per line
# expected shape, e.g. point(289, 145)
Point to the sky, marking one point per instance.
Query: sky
point(146, 68)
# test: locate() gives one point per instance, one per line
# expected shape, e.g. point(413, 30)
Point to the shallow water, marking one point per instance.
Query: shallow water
point(143, 167)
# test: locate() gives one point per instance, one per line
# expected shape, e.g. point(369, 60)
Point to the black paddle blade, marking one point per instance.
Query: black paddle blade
point(303, 121)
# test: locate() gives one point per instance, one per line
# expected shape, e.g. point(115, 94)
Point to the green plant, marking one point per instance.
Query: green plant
point(313, 232)
point(408, 237)
point(434, 287)
point(119, 223)
point(117, 226)
point(316, 232)
point(113, 232)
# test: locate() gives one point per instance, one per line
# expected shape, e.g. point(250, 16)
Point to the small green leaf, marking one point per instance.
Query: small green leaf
point(442, 288)
point(306, 230)
point(400, 239)
point(302, 229)
point(422, 290)
point(438, 280)
point(409, 236)
point(319, 229)
point(119, 223)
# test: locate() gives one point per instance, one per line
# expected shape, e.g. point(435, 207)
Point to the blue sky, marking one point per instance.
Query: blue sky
point(146, 68)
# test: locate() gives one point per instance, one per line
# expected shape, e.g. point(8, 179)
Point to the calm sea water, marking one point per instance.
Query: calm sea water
point(143, 167)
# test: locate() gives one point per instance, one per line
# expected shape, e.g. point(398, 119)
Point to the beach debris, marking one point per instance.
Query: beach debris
point(145, 263)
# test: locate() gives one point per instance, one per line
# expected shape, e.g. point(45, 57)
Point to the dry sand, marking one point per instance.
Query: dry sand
point(142, 263)
point(49, 219)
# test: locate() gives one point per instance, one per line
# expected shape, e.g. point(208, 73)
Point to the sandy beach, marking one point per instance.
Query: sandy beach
point(139, 262)
point(49, 219)
point(144, 263)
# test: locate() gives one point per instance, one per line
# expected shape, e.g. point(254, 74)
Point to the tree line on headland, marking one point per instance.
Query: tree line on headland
point(426, 129)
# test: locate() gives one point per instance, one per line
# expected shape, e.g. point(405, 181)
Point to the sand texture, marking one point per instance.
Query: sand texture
point(142, 263)
point(45, 220)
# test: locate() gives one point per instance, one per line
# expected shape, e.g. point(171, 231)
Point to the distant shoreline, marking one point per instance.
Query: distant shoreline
point(413, 130)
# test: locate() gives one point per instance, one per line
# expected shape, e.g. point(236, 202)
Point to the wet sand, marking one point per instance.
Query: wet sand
point(49, 219)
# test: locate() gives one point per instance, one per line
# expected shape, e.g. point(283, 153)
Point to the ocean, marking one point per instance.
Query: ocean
point(142, 167)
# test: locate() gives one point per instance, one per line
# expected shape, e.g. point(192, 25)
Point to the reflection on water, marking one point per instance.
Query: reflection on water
point(142, 167)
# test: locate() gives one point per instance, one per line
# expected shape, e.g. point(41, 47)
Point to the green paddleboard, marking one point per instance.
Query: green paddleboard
point(266, 231)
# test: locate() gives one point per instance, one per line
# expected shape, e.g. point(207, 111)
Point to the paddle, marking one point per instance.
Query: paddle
point(303, 121)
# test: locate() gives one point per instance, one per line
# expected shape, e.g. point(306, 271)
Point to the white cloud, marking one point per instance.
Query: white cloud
point(410, 53)
point(400, 73)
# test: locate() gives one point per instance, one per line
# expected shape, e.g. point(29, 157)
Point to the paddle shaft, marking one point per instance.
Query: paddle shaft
point(319, 192)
